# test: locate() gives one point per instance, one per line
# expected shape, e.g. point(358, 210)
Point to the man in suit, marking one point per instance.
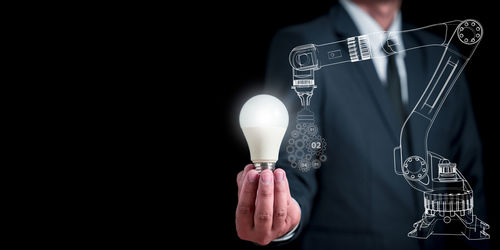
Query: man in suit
point(355, 200)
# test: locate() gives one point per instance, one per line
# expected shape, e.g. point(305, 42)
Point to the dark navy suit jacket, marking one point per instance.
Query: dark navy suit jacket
point(355, 200)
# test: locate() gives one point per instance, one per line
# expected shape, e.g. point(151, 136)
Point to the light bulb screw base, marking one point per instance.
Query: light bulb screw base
point(261, 166)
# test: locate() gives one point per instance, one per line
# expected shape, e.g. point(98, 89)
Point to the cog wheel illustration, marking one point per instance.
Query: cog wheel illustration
point(299, 154)
point(299, 144)
point(322, 158)
point(316, 164)
point(311, 129)
point(323, 144)
point(308, 157)
point(314, 145)
point(306, 148)
point(304, 165)
point(322, 150)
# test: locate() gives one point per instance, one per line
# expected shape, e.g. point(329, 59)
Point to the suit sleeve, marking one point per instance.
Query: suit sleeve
point(279, 78)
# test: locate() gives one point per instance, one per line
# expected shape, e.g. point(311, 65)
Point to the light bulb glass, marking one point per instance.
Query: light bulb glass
point(264, 120)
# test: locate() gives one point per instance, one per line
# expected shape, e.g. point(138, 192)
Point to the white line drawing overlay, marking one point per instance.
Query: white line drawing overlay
point(448, 197)
point(305, 147)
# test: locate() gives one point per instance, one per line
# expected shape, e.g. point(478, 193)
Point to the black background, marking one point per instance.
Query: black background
point(230, 44)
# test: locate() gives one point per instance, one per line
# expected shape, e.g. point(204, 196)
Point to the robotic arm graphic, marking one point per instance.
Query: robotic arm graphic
point(448, 197)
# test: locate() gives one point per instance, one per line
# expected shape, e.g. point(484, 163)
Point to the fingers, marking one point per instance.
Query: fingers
point(246, 203)
point(241, 175)
point(264, 210)
point(289, 199)
point(281, 197)
point(263, 218)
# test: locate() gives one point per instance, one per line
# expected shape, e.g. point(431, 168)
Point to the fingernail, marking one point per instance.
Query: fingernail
point(252, 176)
point(265, 177)
point(278, 176)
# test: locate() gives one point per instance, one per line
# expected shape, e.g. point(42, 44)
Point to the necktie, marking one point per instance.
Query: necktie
point(394, 89)
point(394, 86)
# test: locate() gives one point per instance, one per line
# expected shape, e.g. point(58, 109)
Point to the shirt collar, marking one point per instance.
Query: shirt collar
point(366, 24)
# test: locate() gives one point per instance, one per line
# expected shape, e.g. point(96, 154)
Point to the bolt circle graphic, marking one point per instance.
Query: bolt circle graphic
point(470, 32)
point(414, 166)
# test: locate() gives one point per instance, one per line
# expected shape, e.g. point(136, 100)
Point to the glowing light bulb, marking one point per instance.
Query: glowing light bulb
point(264, 120)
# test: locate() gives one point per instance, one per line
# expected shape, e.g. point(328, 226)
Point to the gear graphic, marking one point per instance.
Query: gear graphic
point(322, 149)
point(311, 129)
point(316, 164)
point(299, 154)
point(306, 148)
point(305, 137)
point(304, 165)
point(322, 158)
point(299, 144)
point(314, 145)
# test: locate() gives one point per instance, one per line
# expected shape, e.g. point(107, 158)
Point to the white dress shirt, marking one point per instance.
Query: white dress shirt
point(366, 24)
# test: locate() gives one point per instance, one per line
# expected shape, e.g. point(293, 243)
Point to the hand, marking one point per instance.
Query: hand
point(265, 209)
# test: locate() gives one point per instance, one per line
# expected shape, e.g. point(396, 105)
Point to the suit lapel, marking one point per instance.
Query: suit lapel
point(345, 28)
